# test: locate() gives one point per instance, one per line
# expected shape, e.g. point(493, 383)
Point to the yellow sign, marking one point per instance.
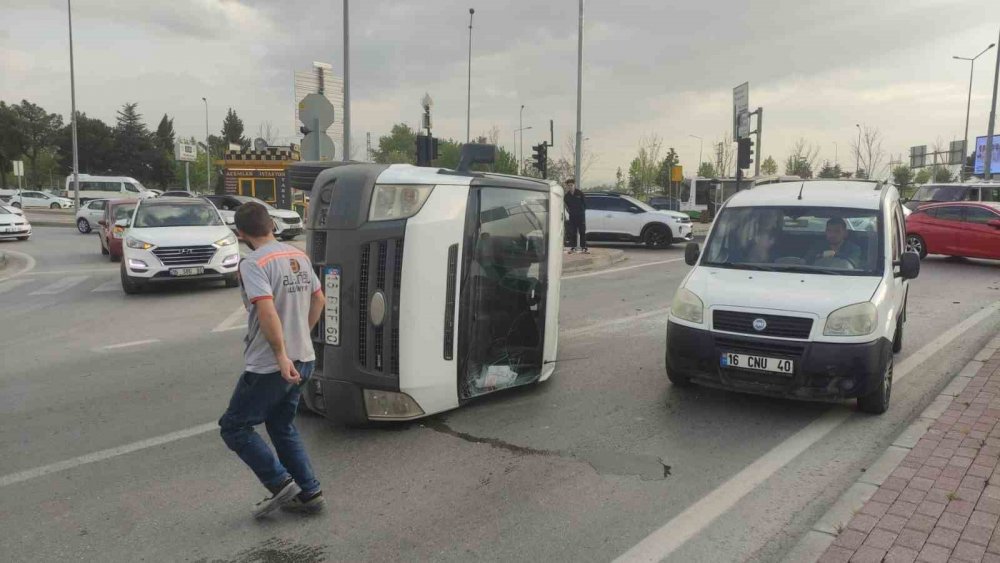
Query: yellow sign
point(677, 174)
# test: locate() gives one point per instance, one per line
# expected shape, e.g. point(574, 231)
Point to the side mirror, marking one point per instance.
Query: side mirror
point(634, 209)
point(123, 223)
point(909, 265)
point(692, 252)
point(995, 223)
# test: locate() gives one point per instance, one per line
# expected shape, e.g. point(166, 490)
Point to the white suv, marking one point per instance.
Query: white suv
point(613, 217)
point(174, 239)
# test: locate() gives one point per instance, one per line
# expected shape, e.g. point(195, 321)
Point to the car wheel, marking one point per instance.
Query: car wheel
point(232, 281)
point(897, 339)
point(54, 206)
point(657, 236)
point(877, 402)
point(22, 238)
point(129, 285)
point(83, 225)
point(915, 243)
point(16, 204)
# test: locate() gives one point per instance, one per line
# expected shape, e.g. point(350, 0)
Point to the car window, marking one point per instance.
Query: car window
point(124, 211)
point(598, 203)
point(176, 215)
point(979, 215)
point(619, 205)
point(642, 205)
point(131, 188)
point(990, 194)
point(946, 213)
point(973, 195)
point(940, 193)
point(34, 195)
point(99, 204)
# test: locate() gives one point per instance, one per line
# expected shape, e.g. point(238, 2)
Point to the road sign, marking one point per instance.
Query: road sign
point(677, 173)
point(918, 156)
point(741, 105)
point(316, 114)
point(186, 151)
point(18, 168)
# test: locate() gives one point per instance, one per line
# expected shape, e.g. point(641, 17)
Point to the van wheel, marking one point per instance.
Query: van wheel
point(657, 236)
point(915, 243)
point(678, 379)
point(877, 402)
point(897, 339)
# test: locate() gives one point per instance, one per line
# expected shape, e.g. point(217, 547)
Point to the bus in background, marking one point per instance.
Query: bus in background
point(698, 195)
point(107, 187)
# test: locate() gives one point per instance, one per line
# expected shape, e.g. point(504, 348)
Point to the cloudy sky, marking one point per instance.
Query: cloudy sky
point(650, 67)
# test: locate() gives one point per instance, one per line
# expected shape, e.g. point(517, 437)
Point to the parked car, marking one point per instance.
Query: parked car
point(13, 225)
point(40, 199)
point(176, 239)
point(614, 217)
point(177, 193)
point(90, 214)
point(786, 300)
point(943, 193)
point(287, 223)
point(110, 234)
point(964, 229)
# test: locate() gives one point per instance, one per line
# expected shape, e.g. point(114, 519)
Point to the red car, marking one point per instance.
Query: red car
point(969, 229)
point(110, 235)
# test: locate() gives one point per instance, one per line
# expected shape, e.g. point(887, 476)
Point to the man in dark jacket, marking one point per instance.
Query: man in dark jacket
point(576, 206)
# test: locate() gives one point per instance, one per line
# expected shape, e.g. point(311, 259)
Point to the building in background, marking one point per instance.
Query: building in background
point(261, 173)
point(320, 80)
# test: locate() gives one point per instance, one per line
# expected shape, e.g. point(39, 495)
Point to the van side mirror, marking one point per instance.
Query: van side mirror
point(909, 265)
point(692, 252)
point(995, 223)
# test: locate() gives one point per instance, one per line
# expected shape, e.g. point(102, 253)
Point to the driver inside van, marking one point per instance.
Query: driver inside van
point(836, 245)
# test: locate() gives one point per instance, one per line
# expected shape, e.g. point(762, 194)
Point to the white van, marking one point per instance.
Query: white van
point(107, 187)
point(799, 293)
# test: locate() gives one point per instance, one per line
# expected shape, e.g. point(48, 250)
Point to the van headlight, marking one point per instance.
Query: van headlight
point(854, 320)
point(136, 243)
point(687, 306)
point(390, 203)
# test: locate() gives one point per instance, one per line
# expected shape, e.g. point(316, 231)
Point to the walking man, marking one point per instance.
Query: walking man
point(284, 299)
point(576, 206)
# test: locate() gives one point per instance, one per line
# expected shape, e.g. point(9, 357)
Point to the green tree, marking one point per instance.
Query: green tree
point(11, 141)
point(232, 130)
point(769, 167)
point(798, 166)
point(38, 132)
point(398, 147)
point(134, 148)
point(95, 142)
point(619, 180)
point(163, 172)
point(706, 170)
point(670, 161)
point(943, 175)
point(922, 177)
point(902, 176)
point(830, 171)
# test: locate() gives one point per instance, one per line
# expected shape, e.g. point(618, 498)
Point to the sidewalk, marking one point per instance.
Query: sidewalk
point(942, 501)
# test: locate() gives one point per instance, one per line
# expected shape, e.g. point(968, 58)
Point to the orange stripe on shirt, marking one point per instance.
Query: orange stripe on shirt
point(261, 298)
point(271, 257)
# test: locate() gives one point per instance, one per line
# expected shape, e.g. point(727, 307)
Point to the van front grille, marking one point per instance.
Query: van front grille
point(779, 326)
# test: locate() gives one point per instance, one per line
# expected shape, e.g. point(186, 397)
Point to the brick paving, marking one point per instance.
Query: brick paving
point(942, 503)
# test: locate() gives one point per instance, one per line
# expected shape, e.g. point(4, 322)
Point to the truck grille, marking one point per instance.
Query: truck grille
point(777, 325)
point(185, 255)
point(380, 270)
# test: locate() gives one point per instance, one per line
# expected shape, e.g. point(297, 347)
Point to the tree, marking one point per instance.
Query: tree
point(830, 171)
point(902, 176)
point(11, 141)
point(163, 172)
point(923, 176)
point(802, 160)
point(706, 170)
point(38, 130)
point(134, 147)
point(769, 167)
point(398, 147)
point(869, 152)
point(619, 180)
point(232, 130)
point(670, 161)
point(644, 170)
point(724, 156)
point(268, 132)
point(95, 141)
point(942, 175)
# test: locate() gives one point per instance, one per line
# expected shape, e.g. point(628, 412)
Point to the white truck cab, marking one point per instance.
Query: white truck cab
point(800, 292)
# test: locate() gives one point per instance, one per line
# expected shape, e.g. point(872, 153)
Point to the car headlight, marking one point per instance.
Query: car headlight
point(687, 306)
point(397, 202)
point(854, 320)
point(228, 241)
point(136, 243)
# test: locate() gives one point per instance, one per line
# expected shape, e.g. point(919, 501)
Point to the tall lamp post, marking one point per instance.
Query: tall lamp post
point(701, 144)
point(857, 153)
point(516, 132)
point(346, 151)
point(72, 97)
point(468, 99)
point(208, 153)
point(520, 157)
point(578, 172)
point(987, 158)
point(968, 104)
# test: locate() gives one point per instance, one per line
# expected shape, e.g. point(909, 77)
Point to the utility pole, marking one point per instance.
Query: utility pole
point(718, 161)
point(72, 97)
point(368, 152)
point(520, 128)
point(347, 85)
point(968, 105)
point(987, 164)
point(760, 125)
point(857, 153)
point(578, 171)
point(468, 99)
point(208, 153)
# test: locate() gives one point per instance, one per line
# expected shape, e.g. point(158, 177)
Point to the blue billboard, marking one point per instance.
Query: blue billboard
point(981, 153)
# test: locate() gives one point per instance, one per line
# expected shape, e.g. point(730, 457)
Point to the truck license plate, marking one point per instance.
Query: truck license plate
point(179, 272)
point(759, 363)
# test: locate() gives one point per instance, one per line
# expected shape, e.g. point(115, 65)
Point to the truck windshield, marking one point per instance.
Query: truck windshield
point(816, 240)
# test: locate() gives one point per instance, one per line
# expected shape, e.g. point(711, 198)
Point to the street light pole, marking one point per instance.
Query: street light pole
point(836, 158)
point(701, 144)
point(578, 173)
point(72, 97)
point(520, 157)
point(468, 99)
point(987, 158)
point(857, 153)
point(208, 153)
point(968, 105)
point(347, 85)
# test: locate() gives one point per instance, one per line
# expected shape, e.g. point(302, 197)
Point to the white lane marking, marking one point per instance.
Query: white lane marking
point(63, 272)
point(59, 286)
point(6, 286)
point(236, 321)
point(695, 518)
point(112, 285)
point(106, 454)
point(574, 332)
point(29, 259)
point(615, 270)
point(129, 344)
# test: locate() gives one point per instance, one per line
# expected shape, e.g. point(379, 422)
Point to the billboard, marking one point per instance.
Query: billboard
point(981, 153)
point(186, 151)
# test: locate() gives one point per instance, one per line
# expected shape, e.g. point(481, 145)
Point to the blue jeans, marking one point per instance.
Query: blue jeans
point(267, 398)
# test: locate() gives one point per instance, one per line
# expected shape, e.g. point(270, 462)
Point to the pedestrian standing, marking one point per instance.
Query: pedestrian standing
point(576, 206)
point(284, 300)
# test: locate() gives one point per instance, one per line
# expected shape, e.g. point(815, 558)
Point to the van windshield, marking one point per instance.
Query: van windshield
point(940, 193)
point(815, 240)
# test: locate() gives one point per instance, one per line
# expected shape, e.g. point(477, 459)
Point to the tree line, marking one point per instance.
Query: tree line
point(129, 147)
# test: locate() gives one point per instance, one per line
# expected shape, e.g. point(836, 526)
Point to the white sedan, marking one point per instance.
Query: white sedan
point(12, 209)
point(90, 214)
point(40, 199)
point(13, 225)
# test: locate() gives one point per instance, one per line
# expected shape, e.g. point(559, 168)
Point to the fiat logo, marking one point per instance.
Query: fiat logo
point(759, 324)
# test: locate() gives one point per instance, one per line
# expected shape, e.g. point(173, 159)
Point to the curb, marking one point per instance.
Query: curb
point(43, 223)
point(596, 262)
point(815, 542)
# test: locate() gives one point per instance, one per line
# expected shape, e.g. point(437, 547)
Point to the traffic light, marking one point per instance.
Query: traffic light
point(427, 150)
point(744, 153)
point(541, 159)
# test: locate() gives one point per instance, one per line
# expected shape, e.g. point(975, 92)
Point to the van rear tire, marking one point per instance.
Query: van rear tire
point(877, 402)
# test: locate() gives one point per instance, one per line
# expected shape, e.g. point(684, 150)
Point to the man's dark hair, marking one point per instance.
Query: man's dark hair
point(837, 221)
point(253, 219)
point(571, 181)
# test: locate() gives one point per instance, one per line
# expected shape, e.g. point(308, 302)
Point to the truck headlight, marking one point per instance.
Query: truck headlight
point(687, 306)
point(854, 320)
point(390, 203)
point(136, 243)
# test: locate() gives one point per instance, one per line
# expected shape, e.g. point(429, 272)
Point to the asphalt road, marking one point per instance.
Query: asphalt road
point(108, 450)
